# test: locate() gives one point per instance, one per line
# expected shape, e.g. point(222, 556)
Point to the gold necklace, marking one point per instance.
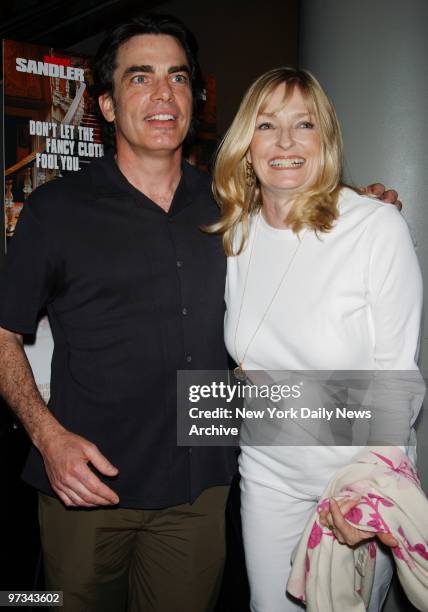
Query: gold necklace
point(239, 371)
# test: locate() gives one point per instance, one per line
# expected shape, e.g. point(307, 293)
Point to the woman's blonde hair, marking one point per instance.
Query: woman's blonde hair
point(316, 207)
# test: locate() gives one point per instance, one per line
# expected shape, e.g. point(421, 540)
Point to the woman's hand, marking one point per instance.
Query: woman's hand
point(344, 531)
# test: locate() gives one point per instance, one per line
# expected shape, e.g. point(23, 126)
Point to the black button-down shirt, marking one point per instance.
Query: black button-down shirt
point(133, 295)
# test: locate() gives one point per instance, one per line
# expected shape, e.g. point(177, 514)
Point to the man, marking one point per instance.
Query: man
point(134, 291)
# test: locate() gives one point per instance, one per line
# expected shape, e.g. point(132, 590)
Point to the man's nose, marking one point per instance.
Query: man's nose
point(163, 90)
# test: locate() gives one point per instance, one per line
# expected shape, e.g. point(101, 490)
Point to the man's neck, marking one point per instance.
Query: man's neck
point(157, 176)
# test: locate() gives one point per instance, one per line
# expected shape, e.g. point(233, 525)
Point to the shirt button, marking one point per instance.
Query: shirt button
point(184, 311)
point(188, 358)
point(179, 263)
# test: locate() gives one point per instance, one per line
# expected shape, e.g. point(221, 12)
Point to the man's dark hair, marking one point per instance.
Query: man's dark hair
point(105, 61)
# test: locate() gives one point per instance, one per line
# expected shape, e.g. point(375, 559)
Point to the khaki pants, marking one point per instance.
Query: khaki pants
point(118, 559)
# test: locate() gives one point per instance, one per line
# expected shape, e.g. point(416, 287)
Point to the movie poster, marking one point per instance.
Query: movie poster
point(50, 129)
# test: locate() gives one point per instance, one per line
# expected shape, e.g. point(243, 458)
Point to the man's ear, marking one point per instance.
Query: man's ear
point(107, 107)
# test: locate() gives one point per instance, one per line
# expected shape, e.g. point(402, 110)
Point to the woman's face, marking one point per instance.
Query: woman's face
point(286, 147)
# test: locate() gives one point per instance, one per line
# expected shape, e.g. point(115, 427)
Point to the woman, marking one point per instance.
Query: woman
point(319, 278)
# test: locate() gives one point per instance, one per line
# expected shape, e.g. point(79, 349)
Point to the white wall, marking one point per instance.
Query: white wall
point(371, 57)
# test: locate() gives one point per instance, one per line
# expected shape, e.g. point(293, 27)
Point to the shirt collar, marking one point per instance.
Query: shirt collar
point(109, 181)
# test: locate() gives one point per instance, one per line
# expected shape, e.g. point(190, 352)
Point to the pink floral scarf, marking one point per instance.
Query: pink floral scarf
point(332, 577)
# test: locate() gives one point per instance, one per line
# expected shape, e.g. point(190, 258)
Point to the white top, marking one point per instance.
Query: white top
point(351, 299)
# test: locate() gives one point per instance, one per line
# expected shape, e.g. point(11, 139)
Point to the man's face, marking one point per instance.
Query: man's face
point(152, 100)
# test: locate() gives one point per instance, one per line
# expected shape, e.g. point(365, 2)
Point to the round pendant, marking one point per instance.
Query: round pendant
point(239, 373)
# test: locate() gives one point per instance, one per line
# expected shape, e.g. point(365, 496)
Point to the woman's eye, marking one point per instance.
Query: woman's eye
point(306, 125)
point(264, 126)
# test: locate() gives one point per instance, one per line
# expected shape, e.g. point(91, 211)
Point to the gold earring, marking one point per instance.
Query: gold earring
point(250, 177)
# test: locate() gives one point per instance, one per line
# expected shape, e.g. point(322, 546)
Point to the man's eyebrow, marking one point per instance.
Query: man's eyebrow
point(150, 69)
point(134, 69)
point(181, 68)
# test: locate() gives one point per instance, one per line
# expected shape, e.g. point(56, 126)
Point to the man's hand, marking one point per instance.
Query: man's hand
point(66, 458)
point(65, 454)
point(344, 531)
point(389, 196)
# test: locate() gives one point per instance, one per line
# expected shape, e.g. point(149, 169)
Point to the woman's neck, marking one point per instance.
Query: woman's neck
point(275, 209)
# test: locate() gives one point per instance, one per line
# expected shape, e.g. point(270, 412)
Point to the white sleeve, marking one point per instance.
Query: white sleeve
point(394, 291)
point(394, 286)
